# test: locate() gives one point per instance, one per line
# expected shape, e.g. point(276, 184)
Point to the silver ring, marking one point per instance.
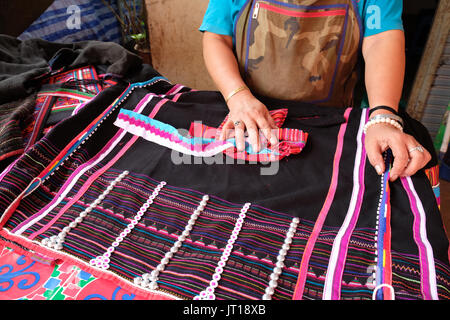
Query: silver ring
point(418, 148)
point(236, 123)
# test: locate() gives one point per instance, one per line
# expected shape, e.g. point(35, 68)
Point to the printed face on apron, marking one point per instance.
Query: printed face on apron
point(301, 50)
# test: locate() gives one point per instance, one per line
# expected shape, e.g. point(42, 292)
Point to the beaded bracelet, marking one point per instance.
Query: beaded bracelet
point(385, 118)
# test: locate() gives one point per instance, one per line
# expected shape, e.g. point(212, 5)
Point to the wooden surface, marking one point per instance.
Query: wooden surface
point(176, 43)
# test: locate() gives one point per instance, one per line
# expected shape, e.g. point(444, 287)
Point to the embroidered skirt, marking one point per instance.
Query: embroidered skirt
point(157, 223)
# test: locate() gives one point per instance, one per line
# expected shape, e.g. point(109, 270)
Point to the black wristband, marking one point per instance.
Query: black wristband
point(383, 108)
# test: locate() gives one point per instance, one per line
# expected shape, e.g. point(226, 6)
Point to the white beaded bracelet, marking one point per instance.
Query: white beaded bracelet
point(385, 118)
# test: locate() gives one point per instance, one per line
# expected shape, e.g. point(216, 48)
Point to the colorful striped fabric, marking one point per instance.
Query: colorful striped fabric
point(59, 22)
point(13, 117)
point(339, 250)
point(248, 269)
point(56, 97)
point(116, 207)
point(433, 175)
point(291, 141)
point(301, 280)
point(60, 96)
point(168, 136)
point(383, 270)
point(428, 274)
point(203, 143)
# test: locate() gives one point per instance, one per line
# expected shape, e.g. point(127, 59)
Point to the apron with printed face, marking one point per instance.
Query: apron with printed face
point(300, 50)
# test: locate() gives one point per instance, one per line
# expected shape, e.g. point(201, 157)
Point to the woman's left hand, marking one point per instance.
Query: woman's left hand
point(408, 159)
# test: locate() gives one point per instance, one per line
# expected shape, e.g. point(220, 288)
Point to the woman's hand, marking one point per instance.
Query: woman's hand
point(248, 114)
point(384, 55)
point(380, 137)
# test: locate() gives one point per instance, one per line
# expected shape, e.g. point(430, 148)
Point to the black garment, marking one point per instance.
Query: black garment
point(23, 62)
point(299, 188)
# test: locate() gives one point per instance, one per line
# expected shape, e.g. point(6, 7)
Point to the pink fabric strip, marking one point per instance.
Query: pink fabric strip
point(294, 13)
point(175, 89)
point(67, 183)
point(143, 101)
point(332, 289)
point(111, 143)
point(38, 122)
point(177, 96)
point(157, 107)
point(300, 286)
point(78, 108)
point(336, 294)
point(175, 99)
point(85, 187)
point(91, 179)
point(427, 270)
point(8, 168)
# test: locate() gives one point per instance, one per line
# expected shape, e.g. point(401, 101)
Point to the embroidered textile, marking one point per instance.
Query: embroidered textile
point(322, 225)
point(291, 141)
point(202, 141)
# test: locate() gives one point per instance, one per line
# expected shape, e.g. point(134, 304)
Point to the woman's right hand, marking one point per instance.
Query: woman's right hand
point(244, 107)
point(252, 116)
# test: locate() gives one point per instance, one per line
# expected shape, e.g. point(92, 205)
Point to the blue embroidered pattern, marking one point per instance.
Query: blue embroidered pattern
point(7, 279)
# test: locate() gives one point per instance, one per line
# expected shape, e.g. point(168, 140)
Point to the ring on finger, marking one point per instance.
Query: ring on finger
point(418, 148)
point(237, 123)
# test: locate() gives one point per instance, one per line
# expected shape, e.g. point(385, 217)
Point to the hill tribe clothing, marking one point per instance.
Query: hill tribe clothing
point(43, 83)
point(128, 218)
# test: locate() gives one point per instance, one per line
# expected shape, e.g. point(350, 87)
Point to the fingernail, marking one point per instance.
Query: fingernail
point(273, 141)
point(378, 168)
point(394, 177)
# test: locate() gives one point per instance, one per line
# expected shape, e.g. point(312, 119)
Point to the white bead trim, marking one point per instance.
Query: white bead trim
point(380, 200)
point(149, 280)
point(375, 267)
point(119, 102)
point(56, 242)
point(208, 293)
point(102, 261)
point(273, 282)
